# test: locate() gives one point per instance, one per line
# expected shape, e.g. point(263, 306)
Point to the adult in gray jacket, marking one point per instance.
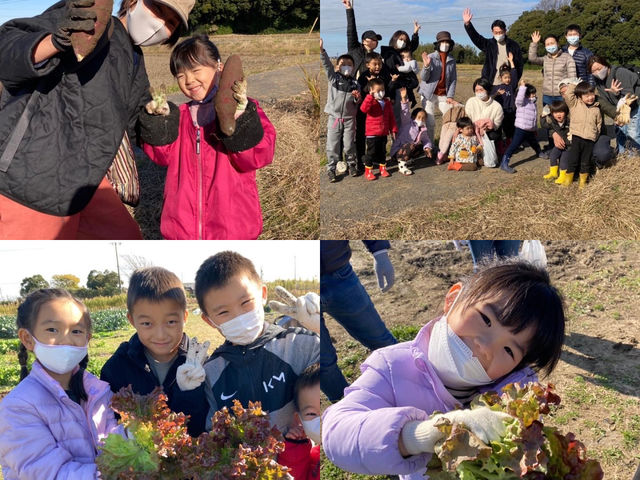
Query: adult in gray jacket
point(438, 79)
point(612, 84)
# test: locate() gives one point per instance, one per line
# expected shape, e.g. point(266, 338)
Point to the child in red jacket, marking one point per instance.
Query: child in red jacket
point(380, 123)
point(302, 443)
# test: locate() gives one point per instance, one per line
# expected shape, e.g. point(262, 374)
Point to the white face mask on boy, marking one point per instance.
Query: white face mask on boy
point(312, 429)
point(452, 359)
point(59, 359)
point(144, 28)
point(245, 328)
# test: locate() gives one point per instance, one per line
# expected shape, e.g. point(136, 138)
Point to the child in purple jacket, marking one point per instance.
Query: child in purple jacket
point(526, 124)
point(497, 324)
point(52, 422)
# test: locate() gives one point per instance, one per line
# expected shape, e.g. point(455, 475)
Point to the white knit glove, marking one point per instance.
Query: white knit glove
point(305, 309)
point(190, 374)
point(384, 270)
point(421, 436)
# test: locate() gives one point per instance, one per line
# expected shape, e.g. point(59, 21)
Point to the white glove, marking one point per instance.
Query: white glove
point(305, 309)
point(384, 270)
point(190, 374)
point(421, 436)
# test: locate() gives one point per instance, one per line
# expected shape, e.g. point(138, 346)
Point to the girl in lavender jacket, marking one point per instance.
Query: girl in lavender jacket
point(496, 325)
point(52, 422)
point(526, 124)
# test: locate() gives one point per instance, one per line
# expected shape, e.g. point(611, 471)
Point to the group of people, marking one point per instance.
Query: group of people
point(52, 422)
point(371, 96)
point(87, 114)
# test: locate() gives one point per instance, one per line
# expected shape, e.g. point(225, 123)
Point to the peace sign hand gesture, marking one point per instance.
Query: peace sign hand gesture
point(190, 374)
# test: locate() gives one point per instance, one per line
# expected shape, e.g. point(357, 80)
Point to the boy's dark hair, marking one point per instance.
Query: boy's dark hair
point(529, 300)
point(26, 318)
point(559, 106)
point(464, 122)
point(484, 83)
point(583, 88)
point(597, 59)
point(416, 111)
point(346, 56)
point(180, 30)
point(551, 35)
point(573, 26)
point(373, 82)
point(529, 89)
point(218, 269)
point(308, 378)
point(404, 50)
point(372, 56)
point(499, 23)
point(155, 284)
point(195, 50)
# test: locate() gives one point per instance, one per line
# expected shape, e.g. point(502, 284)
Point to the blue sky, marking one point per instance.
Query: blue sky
point(28, 8)
point(387, 16)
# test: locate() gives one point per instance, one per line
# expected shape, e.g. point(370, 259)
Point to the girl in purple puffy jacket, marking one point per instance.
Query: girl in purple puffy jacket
point(496, 325)
point(52, 422)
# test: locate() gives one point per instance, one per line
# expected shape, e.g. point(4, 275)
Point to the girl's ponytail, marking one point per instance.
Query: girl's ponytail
point(76, 384)
point(23, 355)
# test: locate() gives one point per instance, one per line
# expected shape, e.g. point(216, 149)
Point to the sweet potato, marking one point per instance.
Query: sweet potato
point(83, 43)
point(224, 102)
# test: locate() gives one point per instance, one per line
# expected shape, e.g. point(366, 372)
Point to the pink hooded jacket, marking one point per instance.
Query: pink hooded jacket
point(211, 193)
point(46, 435)
point(398, 384)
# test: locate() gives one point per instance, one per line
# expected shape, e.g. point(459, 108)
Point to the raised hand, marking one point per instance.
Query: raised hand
point(77, 18)
point(347, 4)
point(426, 59)
point(403, 95)
point(305, 309)
point(616, 87)
point(467, 16)
point(535, 37)
point(190, 374)
point(416, 26)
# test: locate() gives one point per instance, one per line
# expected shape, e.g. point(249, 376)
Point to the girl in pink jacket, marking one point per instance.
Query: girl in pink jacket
point(52, 422)
point(210, 190)
point(496, 325)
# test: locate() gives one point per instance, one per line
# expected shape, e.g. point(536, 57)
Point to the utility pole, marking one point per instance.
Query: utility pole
point(115, 246)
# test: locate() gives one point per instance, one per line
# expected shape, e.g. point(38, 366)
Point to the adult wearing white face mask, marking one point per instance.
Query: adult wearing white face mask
point(438, 79)
point(580, 53)
point(615, 87)
point(82, 114)
point(496, 49)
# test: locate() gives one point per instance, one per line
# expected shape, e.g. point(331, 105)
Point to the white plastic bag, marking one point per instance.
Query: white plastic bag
point(490, 155)
point(533, 252)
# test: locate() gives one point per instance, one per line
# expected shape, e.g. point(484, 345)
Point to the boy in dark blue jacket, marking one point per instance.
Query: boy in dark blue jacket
point(160, 351)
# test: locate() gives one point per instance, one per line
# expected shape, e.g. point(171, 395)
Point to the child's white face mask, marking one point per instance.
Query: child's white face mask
point(419, 123)
point(144, 28)
point(245, 328)
point(312, 429)
point(452, 360)
point(379, 95)
point(59, 359)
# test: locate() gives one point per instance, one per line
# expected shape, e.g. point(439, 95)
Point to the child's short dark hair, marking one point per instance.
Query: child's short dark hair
point(583, 88)
point(573, 26)
point(416, 111)
point(559, 106)
point(369, 56)
point(529, 89)
point(529, 299)
point(26, 318)
point(464, 122)
point(218, 269)
point(375, 81)
point(195, 50)
point(155, 284)
point(308, 378)
point(404, 50)
point(346, 56)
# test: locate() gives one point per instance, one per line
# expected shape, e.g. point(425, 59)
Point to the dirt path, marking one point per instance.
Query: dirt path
point(272, 86)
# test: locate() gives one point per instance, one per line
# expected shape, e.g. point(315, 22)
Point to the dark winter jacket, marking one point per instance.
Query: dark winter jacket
point(550, 123)
point(335, 254)
point(354, 47)
point(384, 75)
point(392, 57)
point(265, 371)
point(129, 366)
point(508, 98)
point(630, 84)
point(490, 48)
point(78, 117)
point(581, 57)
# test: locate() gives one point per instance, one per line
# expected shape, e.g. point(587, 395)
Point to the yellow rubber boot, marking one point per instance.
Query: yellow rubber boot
point(583, 180)
point(568, 180)
point(561, 177)
point(553, 173)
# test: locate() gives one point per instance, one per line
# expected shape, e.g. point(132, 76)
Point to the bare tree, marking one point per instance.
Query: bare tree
point(133, 262)
point(551, 5)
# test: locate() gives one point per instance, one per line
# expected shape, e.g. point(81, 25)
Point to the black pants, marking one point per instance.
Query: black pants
point(508, 124)
point(361, 118)
point(580, 155)
point(376, 151)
